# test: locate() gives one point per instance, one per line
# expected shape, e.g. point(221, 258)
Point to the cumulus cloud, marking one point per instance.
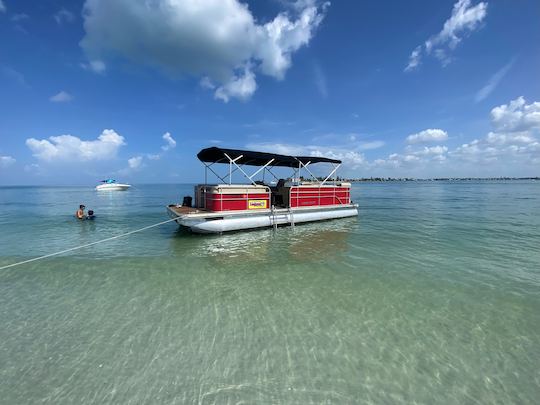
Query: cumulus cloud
point(71, 148)
point(514, 139)
point(64, 16)
point(431, 151)
point(484, 151)
point(428, 135)
point(464, 20)
point(493, 82)
point(511, 148)
point(6, 161)
point(61, 97)
point(171, 143)
point(135, 162)
point(215, 39)
point(241, 87)
point(516, 116)
point(413, 157)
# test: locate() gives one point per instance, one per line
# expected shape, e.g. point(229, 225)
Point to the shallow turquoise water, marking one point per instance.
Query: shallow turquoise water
point(431, 296)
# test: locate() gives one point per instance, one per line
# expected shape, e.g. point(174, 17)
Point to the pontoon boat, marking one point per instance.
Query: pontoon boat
point(231, 207)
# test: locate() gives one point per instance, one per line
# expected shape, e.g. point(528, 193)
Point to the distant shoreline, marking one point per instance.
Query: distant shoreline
point(385, 179)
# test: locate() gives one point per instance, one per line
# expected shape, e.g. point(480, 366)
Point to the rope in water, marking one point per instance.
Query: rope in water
point(86, 245)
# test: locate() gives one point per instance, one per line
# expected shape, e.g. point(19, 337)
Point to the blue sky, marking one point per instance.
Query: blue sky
point(134, 89)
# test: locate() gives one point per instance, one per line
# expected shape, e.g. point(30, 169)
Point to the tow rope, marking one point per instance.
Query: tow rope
point(87, 245)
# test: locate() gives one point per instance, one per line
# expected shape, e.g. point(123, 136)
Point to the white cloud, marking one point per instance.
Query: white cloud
point(513, 138)
point(71, 148)
point(96, 66)
point(2, 7)
point(516, 116)
point(484, 151)
point(428, 135)
point(6, 161)
point(64, 15)
point(431, 151)
point(135, 162)
point(241, 87)
point(493, 82)
point(465, 19)
point(61, 97)
point(511, 149)
point(413, 158)
point(414, 58)
point(171, 143)
point(218, 39)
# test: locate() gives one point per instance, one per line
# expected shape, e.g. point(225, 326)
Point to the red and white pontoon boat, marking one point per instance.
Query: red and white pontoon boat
point(231, 207)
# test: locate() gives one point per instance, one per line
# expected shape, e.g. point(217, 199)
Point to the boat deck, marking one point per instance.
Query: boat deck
point(181, 210)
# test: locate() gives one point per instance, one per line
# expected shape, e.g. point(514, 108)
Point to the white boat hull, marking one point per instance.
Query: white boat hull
point(113, 187)
point(227, 221)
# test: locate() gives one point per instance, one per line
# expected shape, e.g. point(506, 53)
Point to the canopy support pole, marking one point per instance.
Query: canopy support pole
point(305, 166)
point(330, 175)
point(270, 171)
point(262, 168)
point(217, 175)
point(231, 162)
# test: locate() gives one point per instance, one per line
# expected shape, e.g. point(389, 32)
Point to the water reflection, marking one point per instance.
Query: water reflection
point(303, 243)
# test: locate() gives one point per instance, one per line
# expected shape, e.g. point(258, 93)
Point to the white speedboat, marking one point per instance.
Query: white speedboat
point(112, 185)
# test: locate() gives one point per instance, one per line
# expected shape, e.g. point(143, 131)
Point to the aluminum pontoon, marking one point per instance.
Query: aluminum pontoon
point(231, 207)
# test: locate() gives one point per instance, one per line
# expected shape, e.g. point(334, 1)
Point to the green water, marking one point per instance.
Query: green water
point(431, 296)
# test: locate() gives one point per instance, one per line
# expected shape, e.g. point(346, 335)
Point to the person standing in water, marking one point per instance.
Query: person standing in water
point(80, 212)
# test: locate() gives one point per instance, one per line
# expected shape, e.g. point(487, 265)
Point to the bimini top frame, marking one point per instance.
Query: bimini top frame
point(238, 158)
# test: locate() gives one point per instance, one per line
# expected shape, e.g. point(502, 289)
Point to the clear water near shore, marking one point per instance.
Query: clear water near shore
point(431, 296)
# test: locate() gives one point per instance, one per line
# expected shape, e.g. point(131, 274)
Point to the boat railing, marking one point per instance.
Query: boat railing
point(321, 195)
point(248, 197)
point(245, 198)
